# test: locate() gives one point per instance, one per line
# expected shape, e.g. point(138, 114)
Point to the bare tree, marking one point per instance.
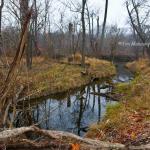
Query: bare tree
point(71, 37)
point(91, 26)
point(24, 4)
point(1, 7)
point(104, 26)
point(92, 16)
point(97, 35)
point(83, 32)
point(35, 19)
point(139, 23)
point(114, 34)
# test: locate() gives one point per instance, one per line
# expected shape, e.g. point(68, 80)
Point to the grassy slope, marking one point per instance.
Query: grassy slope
point(48, 77)
point(129, 121)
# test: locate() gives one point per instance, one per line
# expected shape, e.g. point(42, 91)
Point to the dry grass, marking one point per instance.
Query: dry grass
point(100, 68)
point(48, 77)
point(129, 121)
point(138, 66)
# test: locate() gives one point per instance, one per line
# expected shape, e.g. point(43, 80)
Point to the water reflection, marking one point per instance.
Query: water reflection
point(123, 74)
point(75, 113)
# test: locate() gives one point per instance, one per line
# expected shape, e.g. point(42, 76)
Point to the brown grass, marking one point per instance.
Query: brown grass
point(129, 121)
point(49, 77)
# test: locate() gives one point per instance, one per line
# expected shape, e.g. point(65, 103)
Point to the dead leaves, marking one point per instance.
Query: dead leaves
point(75, 146)
point(136, 117)
point(139, 115)
point(2, 147)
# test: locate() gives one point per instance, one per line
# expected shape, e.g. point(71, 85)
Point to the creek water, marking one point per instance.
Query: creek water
point(75, 112)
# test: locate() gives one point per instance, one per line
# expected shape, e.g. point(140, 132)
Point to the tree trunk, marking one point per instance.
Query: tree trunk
point(1, 43)
point(83, 32)
point(104, 26)
point(97, 36)
point(137, 27)
point(35, 40)
point(24, 4)
point(82, 143)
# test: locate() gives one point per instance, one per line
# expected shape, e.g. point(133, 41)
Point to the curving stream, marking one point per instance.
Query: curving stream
point(77, 111)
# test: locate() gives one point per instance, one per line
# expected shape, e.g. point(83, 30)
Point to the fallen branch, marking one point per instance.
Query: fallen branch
point(27, 144)
point(11, 76)
point(105, 95)
point(56, 140)
point(8, 135)
point(106, 86)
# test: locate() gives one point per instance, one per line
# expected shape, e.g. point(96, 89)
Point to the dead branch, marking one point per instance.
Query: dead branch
point(26, 145)
point(8, 135)
point(17, 58)
point(105, 95)
point(55, 140)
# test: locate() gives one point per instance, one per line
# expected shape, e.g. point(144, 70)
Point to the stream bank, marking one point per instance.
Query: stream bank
point(48, 77)
point(74, 111)
point(129, 121)
point(109, 127)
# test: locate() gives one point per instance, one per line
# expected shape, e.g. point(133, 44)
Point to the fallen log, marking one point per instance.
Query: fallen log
point(56, 140)
point(106, 87)
point(85, 143)
point(105, 95)
point(141, 147)
point(28, 145)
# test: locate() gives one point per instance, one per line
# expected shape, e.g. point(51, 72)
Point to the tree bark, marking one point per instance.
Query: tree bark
point(1, 43)
point(24, 4)
point(58, 138)
point(83, 32)
point(66, 137)
point(104, 26)
point(36, 48)
point(137, 27)
point(11, 76)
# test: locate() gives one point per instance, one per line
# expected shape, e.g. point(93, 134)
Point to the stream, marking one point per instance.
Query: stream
point(75, 112)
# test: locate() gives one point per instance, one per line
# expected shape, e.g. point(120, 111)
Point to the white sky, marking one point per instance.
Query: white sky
point(117, 13)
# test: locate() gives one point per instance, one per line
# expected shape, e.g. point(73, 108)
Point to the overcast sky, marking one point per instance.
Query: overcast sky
point(117, 13)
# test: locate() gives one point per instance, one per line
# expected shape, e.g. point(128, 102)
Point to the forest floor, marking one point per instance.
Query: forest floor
point(128, 122)
point(50, 77)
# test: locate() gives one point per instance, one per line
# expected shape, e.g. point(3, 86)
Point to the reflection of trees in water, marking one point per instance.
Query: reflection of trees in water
point(69, 101)
point(93, 88)
point(42, 113)
point(23, 115)
point(81, 111)
point(82, 106)
point(99, 104)
point(73, 114)
point(46, 114)
point(23, 118)
point(88, 96)
point(61, 114)
point(78, 109)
